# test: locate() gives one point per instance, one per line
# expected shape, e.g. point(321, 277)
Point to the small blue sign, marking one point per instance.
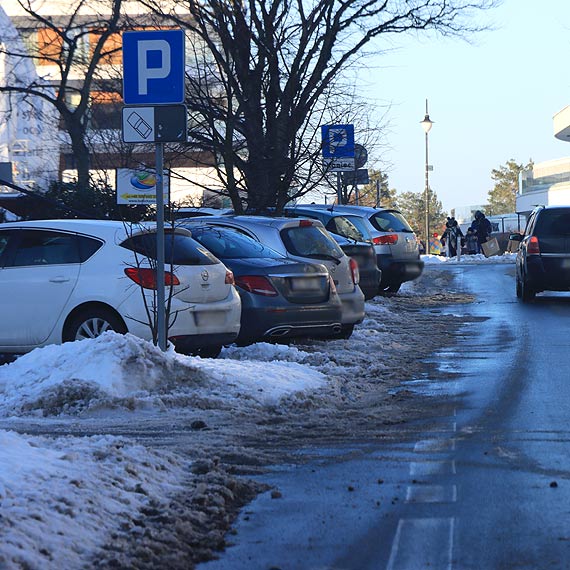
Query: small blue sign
point(153, 67)
point(338, 141)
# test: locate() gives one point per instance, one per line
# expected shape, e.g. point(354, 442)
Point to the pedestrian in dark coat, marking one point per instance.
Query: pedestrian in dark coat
point(451, 236)
point(482, 228)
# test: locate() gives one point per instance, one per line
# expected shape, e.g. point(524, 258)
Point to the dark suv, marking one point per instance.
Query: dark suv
point(543, 258)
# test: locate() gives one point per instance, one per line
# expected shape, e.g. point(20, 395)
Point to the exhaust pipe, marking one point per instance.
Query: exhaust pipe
point(336, 329)
point(279, 332)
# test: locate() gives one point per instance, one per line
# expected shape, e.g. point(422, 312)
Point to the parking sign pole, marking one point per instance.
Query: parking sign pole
point(160, 296)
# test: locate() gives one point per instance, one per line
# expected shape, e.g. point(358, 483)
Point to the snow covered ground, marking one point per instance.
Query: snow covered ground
point(64, 497)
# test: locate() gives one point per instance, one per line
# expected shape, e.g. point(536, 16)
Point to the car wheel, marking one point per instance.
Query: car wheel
point(527, 293)
point(92, 323)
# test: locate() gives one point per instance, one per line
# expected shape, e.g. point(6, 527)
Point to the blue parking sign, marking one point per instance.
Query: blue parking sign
point(153, 67)
point(338, 141)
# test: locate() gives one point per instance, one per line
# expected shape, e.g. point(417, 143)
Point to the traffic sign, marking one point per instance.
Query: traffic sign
point(338, 141)
point(161, 123)
point(153, 67)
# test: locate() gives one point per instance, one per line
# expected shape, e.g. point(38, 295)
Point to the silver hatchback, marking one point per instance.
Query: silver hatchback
point(308, 241)
point(395, 243)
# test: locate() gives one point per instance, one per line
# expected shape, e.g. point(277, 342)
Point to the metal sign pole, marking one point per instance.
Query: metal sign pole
point(338, 189)
point(160, 296)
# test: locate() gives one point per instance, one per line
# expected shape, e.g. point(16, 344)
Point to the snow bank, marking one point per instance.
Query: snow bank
point(60, 499)
point(478, 258)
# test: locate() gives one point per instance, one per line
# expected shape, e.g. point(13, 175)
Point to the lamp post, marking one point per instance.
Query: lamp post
point(426, 126)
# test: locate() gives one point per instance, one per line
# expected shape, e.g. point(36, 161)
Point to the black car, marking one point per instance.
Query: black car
point(281, 298)
point(543, 257)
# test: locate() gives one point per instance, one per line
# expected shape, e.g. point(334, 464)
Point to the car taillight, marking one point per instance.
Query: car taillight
point(389, 239)
point(354, 271)
point(305, 223)
point(229, 278)
point(533, 247)
point(257, 284)
point(146, 277)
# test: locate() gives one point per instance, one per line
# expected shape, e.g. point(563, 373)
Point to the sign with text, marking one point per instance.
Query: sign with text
point(138, 186)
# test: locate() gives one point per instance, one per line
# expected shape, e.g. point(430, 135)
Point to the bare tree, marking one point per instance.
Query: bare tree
point(77, 53)
point(270, 63)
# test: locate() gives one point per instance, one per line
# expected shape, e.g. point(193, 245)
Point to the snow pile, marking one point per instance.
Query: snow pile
point(75, 376)
point(471, 259)
point(61, 498)
point(124, 371)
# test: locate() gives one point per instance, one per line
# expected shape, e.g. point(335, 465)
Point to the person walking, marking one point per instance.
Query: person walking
point(451, 236)
point(482, 228)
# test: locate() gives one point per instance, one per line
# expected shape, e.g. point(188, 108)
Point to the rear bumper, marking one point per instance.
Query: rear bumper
point(188, 343)
point(548, 273)
point(263, 319)
point(399, 270)
point(352, 307)
point(370, 282)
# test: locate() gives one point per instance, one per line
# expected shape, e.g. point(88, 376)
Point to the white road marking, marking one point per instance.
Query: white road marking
point(426, 468)
point(434, 445)
point(431, 494)
point(422, 543)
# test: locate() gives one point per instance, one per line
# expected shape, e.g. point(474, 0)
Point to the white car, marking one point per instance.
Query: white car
point(66, 280)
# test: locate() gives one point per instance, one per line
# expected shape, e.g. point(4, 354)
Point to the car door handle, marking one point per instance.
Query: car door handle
point(59, 279)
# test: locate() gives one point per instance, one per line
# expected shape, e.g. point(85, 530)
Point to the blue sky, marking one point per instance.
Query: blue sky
point(491, 99)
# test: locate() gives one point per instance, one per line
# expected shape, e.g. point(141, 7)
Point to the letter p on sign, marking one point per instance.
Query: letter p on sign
point(145, 72)
point(153, 67)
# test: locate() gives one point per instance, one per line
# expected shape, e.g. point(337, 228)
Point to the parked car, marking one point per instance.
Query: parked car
point(280, 298)
point(543, 257)
point(351, 233)
point(396, 245)
point(308, 241)
point(66, 280)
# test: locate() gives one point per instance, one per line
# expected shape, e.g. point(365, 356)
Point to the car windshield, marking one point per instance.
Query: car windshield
point(553, 223)
point(229, 244)
point(390, 221)
point(179, 249)
point(345, 227)
point(310, 241)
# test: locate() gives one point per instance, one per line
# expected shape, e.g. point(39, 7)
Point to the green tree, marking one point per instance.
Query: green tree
point(502, 197)
point(377, 192)
point(412, 205)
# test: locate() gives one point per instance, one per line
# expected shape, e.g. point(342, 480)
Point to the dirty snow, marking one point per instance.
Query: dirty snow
point(65, 498)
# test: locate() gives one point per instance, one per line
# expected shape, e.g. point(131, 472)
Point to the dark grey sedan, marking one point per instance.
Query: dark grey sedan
point(281, 298)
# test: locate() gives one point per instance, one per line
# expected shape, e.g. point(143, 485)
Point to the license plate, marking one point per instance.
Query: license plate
point(303, 284)
point(209, 318)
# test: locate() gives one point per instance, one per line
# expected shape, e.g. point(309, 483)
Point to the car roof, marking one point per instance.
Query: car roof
point(101, 228)
point(346, 208)
point(247, 220)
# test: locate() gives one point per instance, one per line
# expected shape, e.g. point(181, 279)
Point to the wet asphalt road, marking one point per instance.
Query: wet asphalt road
point(484, 486)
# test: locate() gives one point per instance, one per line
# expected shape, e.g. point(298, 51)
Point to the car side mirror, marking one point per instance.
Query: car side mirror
point(515, 237)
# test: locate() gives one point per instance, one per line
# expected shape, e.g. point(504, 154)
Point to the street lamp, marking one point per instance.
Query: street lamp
point(426, 126)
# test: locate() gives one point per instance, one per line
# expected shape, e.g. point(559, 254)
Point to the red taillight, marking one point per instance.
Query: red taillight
point(146, 277)
point(533, 247)
point(256, 284)
point(354, 271)
point(229, 278)
point(305, 223)
point(389, 239)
